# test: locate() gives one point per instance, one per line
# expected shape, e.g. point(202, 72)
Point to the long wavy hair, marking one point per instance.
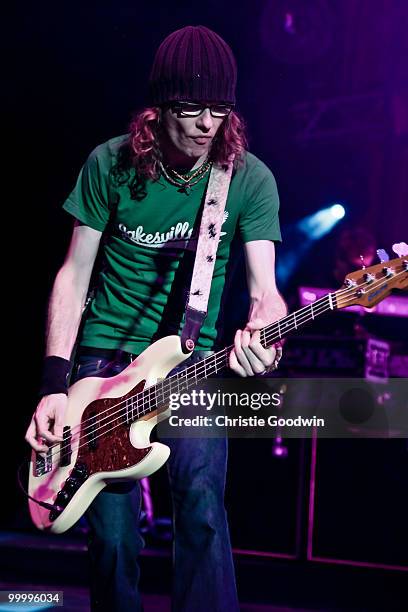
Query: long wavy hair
point(142, 149)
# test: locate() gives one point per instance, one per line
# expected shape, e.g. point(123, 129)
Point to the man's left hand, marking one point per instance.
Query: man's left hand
point(248, 356)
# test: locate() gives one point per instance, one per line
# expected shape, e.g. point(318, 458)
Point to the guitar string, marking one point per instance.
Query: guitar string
point(221, 354)
point(299, 320)
point(227, 349)
point(277, 324)
point(142, 401)
point(118, 424)
point(141, 413)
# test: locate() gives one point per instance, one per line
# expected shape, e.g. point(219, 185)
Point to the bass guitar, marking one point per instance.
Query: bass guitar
point(106, 437)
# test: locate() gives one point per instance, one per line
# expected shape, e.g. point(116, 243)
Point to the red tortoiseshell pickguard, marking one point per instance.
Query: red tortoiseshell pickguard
point(113, 449)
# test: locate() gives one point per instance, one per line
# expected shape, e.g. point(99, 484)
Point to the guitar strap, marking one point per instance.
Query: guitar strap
point(208, 239)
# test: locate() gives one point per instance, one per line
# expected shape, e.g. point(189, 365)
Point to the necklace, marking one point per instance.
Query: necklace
point(187, 177)
point(183, 181)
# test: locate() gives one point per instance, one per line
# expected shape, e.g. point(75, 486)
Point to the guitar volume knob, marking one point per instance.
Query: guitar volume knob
point(80, 472)
point(71, 484)
point(63, 498)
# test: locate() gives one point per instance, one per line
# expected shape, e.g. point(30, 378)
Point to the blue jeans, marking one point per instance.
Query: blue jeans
point(204, 576)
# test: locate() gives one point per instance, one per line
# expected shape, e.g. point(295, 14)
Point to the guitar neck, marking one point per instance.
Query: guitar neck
point(281, 329)
point(365, 287)
point(193, 374)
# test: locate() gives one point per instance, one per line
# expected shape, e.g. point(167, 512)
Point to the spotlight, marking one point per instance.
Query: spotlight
point(338, 211)
point(300, 236)
point(321, 222)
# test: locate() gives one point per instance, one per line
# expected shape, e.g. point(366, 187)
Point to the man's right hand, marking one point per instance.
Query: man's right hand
point(47, 422)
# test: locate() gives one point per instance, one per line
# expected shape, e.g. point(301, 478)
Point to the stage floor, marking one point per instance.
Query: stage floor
point(33, 561)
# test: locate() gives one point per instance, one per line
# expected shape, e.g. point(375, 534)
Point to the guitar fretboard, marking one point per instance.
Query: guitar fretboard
point(157, 396)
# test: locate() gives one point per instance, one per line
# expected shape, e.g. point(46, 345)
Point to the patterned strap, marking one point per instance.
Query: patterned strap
point(208, 239)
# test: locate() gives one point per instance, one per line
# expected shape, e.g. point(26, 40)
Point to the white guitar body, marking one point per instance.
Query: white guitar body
point(151, 366)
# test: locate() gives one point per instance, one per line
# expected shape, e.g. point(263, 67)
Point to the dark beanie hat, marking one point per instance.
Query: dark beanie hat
point(193, 63)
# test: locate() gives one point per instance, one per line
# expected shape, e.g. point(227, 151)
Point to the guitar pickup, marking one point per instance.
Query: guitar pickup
point(92, 432)
point(43, 465)
point(66, 450)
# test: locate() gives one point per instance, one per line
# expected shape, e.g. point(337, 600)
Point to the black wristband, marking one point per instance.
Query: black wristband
point(55, 376)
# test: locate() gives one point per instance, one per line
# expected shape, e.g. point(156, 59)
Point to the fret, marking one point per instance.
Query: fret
point(213, 360)
point(151, 400)
point(212, 363)
point(149, 397)
point(146, 395)
point(311, 310)
point(169, 391)
point(133, 413)
point(160, 387)
point(221, 361)
point(184, 383)
point(285, 323)
point(195, 374)
point(330, 296)
point(294, 319)
point(132, 409)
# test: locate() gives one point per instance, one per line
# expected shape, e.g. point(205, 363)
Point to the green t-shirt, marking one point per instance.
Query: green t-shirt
point(149, 247)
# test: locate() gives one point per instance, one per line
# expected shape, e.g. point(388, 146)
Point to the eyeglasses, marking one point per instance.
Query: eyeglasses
point(195, 109)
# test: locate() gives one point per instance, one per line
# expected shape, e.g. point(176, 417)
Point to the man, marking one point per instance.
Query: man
point(143, 192)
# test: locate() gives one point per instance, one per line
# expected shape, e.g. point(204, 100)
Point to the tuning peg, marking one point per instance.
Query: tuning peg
point(383, 255)
point(401, 249)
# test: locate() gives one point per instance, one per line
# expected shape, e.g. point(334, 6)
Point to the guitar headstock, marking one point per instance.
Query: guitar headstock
point(369, 286)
